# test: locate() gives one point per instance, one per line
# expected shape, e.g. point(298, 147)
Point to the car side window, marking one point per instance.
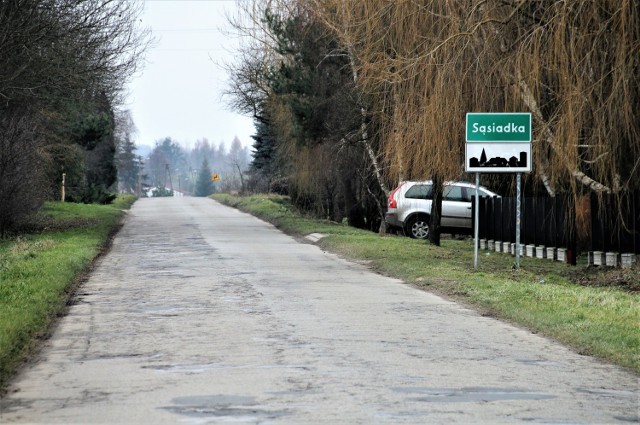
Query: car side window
point(419, 191)
point(453, 193)
point(468, 194)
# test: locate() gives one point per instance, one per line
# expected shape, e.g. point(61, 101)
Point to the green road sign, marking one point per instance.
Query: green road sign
point(499, 127)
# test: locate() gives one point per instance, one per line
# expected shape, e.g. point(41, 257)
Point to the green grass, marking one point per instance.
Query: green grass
point(597, 312)
point(124, 201)
point(278, 210)
point(38, 272)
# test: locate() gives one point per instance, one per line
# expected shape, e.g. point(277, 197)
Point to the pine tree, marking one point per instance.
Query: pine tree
point(204, 185)
point(264, 150)
point(129, 166)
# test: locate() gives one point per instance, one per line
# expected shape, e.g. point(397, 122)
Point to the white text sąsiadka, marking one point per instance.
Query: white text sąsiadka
point(493, 128)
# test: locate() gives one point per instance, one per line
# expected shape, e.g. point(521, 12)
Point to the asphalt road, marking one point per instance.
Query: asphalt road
point(202, 314)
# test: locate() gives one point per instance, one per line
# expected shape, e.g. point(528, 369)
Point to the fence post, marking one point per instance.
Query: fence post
point(596, 233)
point(64, 176)
point(571, 232)
point(490, 224)
point(498, 219)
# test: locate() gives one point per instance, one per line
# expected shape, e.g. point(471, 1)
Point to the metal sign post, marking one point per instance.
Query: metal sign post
point(518, 179)
point(476, 222)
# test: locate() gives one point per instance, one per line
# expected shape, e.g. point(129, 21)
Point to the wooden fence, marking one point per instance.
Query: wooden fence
point(615, 223)
point(548, 227)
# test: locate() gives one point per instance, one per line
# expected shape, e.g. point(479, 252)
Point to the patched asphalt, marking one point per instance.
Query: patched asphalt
point(201, 314)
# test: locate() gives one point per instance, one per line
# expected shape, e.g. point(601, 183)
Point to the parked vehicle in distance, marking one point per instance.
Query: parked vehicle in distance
point(409, 207)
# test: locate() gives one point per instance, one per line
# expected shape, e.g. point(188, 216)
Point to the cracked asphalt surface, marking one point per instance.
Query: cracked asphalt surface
point(202, 314)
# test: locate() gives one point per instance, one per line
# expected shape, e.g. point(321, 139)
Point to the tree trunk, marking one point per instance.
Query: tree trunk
point(436, 211)
point(242, 189)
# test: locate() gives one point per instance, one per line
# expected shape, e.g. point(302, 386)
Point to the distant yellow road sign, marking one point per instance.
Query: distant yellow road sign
point(215, 177)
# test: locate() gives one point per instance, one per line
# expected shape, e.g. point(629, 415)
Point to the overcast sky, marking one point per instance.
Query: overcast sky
point(178, 93)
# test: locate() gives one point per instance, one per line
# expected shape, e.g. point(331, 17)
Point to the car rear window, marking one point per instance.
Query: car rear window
point(419, 191)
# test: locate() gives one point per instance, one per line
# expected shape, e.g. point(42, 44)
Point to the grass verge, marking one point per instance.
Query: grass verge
point(38, 272)
point(595, 311)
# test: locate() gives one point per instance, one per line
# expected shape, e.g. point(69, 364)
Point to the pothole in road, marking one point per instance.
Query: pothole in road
point(471, 394)
point(233, 407)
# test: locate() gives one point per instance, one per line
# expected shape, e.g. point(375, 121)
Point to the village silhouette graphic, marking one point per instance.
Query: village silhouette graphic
point(497, 161)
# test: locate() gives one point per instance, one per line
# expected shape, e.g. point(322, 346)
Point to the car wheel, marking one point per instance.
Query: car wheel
point(418, 227)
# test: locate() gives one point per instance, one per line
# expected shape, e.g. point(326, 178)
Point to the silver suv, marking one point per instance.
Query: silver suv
point(409, 207)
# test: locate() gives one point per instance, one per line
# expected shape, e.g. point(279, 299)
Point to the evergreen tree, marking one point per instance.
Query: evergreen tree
point(204, 185)
point(264, 149)
point(129, 166)
point(264, 167)
point(93, 133)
